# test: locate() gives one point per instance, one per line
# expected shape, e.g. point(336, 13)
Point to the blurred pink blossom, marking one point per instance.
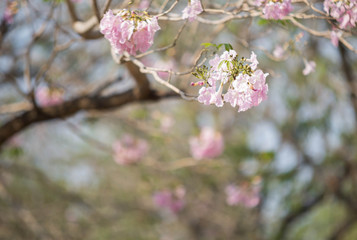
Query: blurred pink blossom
point(129, 150)
point(345, 12)
point(46, 97)
point(309, 67)
point(166, 123)
point(129, 31)
point(245, 194)
point(10, 11)
point(275, 9)
point(170, 200)
point(209, 144)
point(279, 52)
point(144, 4)
point(192, 10)
point(335, 35)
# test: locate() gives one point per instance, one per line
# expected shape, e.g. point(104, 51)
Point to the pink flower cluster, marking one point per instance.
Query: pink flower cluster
point(170, 200)
point(246, 195)
point(129, 31)
point(129, 150)
point(46, 97)
point(344, 11)
point(275, 9)
point(209, 144)
point(246, 83)
point(192, 10)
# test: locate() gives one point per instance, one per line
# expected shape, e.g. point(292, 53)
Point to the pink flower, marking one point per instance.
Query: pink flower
point(247, 91)
point(192, 10)
point(309, 67)
point(205, 95)
point(129, 31)
point(245, 195)
point(246, 84)
point(278, 52)
point(253, 60)
point(275, 9)
point(209, 144)
point(129, 150)
point(46, 97)
point(345, 12)
point(335, 36)
point(170, 200)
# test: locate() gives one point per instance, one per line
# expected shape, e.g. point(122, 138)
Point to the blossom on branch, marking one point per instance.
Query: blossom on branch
point(129, 150)
point(129, 31)
point(275, 9)
point(209, 144)
point(245, 84)
point(344, 11)
point(193, 8)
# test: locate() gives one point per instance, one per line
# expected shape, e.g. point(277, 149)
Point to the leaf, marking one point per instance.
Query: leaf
point(262, 22)
point(220, 64)
point(228, 46)
point(206, 45)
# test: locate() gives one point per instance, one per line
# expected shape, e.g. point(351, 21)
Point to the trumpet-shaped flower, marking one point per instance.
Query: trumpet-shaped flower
point(275, 9)
point(345, 12)
point(192, 10)
point(129, 31)
point(246, 84)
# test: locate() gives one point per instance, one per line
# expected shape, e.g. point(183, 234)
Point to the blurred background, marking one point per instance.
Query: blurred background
point(59, 178)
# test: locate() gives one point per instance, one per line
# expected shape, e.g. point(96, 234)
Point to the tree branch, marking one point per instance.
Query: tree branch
point(71, 107)
point(348, 71)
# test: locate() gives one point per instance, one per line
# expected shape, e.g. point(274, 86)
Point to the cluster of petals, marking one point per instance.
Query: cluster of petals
point(245, 194)
point(245, 90)
point(173, 201)
point(193, 8)
point(209, 144)
point(344, 11)
point(275, 9)
point(46, 96)
point(129, 150)
point(129, 31)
